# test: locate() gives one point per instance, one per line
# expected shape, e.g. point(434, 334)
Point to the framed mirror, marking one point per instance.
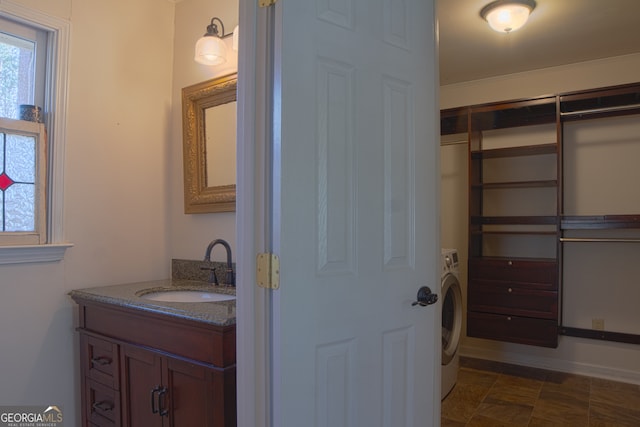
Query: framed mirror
point(209, 145)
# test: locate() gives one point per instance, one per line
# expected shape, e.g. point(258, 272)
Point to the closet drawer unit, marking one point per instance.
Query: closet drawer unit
point(522, 330)
point(505, 298)
point(103, 405)
point(100, 360)
point(541, 274)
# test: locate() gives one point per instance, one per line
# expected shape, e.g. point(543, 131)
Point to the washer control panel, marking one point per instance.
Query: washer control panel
point(449, 261)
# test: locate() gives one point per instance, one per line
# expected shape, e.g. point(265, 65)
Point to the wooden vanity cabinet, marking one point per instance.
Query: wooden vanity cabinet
point(147, 369)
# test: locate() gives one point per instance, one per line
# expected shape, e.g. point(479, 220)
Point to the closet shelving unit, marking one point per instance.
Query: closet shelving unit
point(589, 105)
point(513, 293)
point(454, 121)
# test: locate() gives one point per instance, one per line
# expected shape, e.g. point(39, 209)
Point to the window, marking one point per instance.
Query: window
point(33, 71)
point(22, 143)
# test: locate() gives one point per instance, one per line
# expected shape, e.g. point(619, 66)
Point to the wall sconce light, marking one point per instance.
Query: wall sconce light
point(211, 48)
point(505, 16)
point(236, 36)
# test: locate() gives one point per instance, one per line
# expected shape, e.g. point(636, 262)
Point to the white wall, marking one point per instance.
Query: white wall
point(591, 357)
point(190, 234)
point(123, 191)
point(115, 192)
point(548, 81)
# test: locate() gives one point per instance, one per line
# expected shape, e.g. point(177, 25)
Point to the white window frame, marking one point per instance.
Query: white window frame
point(55, 108)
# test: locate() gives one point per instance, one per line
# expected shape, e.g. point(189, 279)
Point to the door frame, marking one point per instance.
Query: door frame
point(253, 195)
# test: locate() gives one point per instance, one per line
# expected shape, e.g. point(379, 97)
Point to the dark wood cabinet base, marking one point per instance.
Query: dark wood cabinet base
point(148, 369)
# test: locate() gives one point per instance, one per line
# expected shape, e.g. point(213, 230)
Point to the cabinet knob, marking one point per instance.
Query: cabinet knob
point(510, 290)
point(509, 318)
point(509, 262)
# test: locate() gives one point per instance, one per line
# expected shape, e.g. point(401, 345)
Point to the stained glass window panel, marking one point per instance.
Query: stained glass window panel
point(19, 208)
point(21, 158)
point(17, 182)
point(2, 139)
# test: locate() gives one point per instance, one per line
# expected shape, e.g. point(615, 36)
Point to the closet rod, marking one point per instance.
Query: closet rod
point(461, 142)
point(600, 240)
point(601, 110)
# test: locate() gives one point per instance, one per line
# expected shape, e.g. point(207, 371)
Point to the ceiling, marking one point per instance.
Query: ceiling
point(558, 32)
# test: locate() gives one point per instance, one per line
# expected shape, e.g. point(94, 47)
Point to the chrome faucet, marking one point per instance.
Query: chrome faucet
point(229, 276)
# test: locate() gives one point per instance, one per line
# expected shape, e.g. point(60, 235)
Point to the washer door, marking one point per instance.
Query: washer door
point(451, 317)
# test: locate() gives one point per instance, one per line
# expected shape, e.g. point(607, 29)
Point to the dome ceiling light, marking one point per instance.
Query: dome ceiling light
point(505, 16)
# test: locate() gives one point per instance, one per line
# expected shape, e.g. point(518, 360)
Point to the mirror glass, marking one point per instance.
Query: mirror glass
point(220, 136)
point(209, 145)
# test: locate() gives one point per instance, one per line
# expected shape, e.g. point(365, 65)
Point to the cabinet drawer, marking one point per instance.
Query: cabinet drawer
point(501, 298)
point(538, 273)
point(100, 360)
point(522, 330)
point(102, 404)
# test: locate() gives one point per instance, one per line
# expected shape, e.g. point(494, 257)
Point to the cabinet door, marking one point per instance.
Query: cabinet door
point(198, 395)
point(141, 375)
point(190, 399)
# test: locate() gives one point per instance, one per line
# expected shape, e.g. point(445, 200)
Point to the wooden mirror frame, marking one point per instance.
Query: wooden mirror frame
point(198, 197)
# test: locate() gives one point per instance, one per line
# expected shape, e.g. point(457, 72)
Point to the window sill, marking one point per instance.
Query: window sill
point(33, 253)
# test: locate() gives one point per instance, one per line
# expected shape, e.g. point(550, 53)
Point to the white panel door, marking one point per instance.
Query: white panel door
point(355, 215)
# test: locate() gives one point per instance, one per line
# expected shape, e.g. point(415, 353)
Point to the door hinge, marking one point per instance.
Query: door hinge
point(266, 3)
point(268, 271)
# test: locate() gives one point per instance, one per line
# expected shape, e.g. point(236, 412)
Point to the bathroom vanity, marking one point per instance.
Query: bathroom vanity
point(151, 363)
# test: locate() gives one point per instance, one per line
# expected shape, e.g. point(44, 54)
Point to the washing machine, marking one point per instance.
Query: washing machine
point(451, 295)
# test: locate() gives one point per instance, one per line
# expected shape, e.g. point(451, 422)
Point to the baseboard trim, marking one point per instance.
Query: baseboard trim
point(568, 366)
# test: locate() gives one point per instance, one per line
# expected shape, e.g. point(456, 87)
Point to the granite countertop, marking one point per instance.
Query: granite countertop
point(221, 313)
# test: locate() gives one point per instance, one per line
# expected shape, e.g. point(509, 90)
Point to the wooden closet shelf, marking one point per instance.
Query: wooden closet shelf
point(516, 184)
point(514, 220)
point(518, 232)
point(526, 150)
point(593, 222)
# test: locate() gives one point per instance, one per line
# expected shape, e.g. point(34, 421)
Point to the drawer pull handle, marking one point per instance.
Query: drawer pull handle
point(160, 408)
point(100, 361)
point(155, 390)
point(161, 402)
point(509, 318)
point(510, 262)
point(103, 406)
point(510, 290)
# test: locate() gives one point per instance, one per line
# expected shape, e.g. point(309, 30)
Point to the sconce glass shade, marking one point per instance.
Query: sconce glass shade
point(211, 50)
point(236, 36)
point(505, 16)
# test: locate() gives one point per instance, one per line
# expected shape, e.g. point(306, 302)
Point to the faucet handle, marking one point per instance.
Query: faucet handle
point(212, 274)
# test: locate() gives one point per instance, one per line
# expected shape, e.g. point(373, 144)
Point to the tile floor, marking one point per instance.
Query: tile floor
point(497, 394)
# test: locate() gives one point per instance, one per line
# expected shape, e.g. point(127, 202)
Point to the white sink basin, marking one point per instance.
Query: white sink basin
point(187, 296)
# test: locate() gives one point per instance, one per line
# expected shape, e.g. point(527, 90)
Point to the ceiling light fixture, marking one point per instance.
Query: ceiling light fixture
point(505, 16)
point(211, 48)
